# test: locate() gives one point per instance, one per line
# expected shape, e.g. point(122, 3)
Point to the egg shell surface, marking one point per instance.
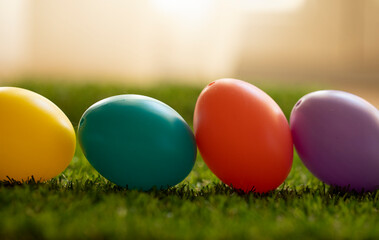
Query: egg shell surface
point(243, 136)
point(36, 138)
point(137, 142)
point(337, 137)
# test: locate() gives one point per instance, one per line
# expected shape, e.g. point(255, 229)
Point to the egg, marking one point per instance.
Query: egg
point(337, 137)
point(36, 138)
point(137, 142)
point(243, 136)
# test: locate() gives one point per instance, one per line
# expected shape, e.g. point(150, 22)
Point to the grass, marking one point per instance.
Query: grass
point(81, 204)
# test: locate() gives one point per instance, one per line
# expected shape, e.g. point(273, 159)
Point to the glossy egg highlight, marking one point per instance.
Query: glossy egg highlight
point(243, 136)
point(337, 137)
point(137, 142)
point(36, 138)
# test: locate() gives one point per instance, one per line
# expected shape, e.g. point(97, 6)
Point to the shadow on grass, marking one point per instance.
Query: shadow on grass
point(328, 194)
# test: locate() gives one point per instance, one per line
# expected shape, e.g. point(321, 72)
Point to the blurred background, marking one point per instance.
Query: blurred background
point(331, 42)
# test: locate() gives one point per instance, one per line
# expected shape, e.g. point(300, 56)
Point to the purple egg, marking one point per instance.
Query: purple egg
point(336, 135)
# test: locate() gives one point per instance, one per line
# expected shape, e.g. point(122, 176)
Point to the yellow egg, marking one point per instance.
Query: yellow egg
point(36, 137)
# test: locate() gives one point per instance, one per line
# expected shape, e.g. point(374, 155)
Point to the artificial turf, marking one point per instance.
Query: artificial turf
point(80, 204)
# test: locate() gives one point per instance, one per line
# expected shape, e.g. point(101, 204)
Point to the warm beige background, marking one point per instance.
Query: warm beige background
point(191, 40)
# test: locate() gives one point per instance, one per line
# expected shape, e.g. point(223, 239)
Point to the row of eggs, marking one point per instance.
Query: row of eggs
point(242, 134)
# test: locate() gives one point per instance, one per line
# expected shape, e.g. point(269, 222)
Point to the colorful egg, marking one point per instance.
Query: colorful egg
point(36, 138)
point(137, 142)
point(337, 137)
point(243, 136)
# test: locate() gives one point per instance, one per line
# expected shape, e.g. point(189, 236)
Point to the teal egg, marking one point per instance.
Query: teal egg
point(137, 142)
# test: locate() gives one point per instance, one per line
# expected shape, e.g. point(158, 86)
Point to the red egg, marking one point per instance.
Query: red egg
point(243, 136)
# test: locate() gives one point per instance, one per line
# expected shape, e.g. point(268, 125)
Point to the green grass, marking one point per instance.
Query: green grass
point(81, 204)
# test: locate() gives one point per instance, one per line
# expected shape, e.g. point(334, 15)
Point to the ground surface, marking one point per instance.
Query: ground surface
point(81, 204)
